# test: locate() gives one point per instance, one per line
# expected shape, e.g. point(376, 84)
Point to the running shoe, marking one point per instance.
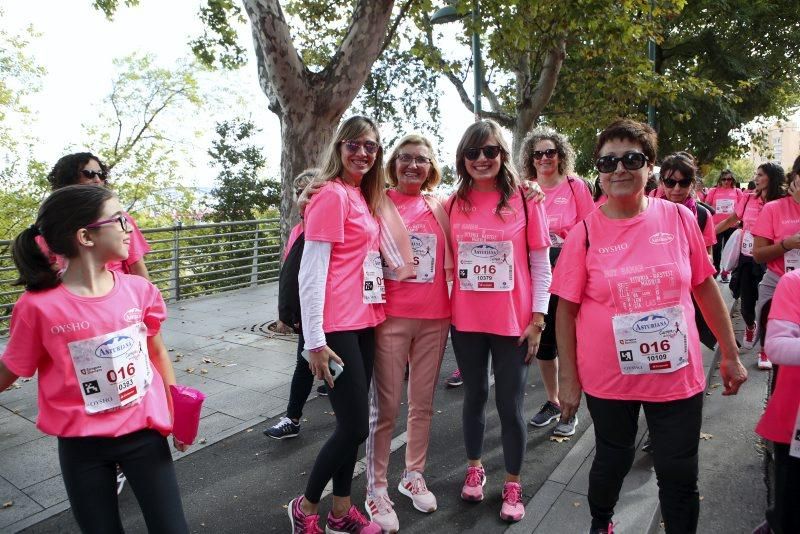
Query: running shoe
point(120, 480)
point(302, 523)
point(749, 338)
point(763, 528)
point(472, 490)
point(322, 390)
point(454, 380)
point(412, 485)
point(512, 509)
point(352, 523)
point(723, 277)
point(602, 530)
point(548, 413)
point(285, 428)
point(566, 428)
point(763, 362)
point(381, 512)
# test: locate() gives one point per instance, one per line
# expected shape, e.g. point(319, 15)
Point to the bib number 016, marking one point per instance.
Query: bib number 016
point(484, 269)
point(122, 373)
point(655, 346)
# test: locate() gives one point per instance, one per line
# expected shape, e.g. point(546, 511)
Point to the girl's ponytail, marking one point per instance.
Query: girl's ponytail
point(35, 271)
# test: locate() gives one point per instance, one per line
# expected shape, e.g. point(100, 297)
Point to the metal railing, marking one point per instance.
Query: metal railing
point(187, 261)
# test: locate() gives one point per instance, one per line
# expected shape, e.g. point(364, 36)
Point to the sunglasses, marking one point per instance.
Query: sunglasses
point(408, 158)
point(370, 147)
point(550, 153)
point(92, 174)
point(123, 221)
point(670, 182)
point(489, 151)
point(632, 161)
point(726, 180)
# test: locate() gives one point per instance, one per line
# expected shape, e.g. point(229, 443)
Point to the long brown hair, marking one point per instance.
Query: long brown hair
point(506, 180)
point(374, 182)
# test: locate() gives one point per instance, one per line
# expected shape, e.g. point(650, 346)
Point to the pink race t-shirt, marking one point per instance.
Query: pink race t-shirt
point(566, 204)
point(338, 214)
point(777, 423)
point(723, 200)
point(778, 220)
point(747, 209)
point(633, 265)
point(414, 299)
point(293, 235)
point(43, 323)
point(505, 313)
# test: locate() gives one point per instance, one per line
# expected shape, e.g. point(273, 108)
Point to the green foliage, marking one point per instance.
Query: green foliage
point(241, 193)
point(219, 46)
point(743, 169)
point(109, 7)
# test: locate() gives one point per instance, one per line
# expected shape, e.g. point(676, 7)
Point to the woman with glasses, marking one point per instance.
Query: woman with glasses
point(547, 157)
point(769, 185)
point(723, 198)
point(498, 302)
point(414, 333)
point(625, 282)
point(677, 178)
point(341, 303)
point(85, 168)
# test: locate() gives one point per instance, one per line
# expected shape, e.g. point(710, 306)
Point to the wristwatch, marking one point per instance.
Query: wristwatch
point(541, 326)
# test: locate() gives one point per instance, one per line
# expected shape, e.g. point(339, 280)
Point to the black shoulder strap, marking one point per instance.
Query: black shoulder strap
point(702, 216)
point(586, 227)
point(680, 216)
point(569, 181)
point(524, 205)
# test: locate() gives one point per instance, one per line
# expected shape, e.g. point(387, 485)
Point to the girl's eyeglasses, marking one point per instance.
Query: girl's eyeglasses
point(370, 147)
point(123, 221)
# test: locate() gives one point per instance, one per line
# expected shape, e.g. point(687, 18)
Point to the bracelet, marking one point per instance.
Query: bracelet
point(784, 246)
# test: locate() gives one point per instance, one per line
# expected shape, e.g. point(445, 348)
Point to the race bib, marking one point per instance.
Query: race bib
point(649, 342)
point(791, 260)
point(423, 246)
point(724, 205)
point(554, 221)
point(794, 446)
point(486, 266)
point(374, 292)
point(556, 241)
point(747, 243)
point(113, 370)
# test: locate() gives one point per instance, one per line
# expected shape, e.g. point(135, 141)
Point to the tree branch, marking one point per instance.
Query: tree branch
point(540, 97)
point(393, 30)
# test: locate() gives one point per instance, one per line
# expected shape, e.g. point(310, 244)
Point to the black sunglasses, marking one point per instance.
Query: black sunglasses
point(550, 153)
point(632, 161)
point(671, 182)
point(91, 174)
point(490, 151)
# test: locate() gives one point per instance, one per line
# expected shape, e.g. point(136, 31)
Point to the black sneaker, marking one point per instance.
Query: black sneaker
point(284, 428)
point(454, 380)
point(322, 390)
point(549, 413)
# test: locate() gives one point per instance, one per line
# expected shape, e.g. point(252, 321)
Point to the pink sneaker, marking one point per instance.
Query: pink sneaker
point(302, 523)
point(352, 523)
point(413, 486)
point(512, 509)
point(763, 362)
point(472, 490)
point(749, 338)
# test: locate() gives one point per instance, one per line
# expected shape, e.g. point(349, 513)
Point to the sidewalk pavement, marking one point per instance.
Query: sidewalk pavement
point(219, 344)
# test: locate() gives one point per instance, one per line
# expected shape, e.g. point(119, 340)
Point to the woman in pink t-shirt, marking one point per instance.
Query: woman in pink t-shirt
point(500, 241)
point(781, 420)
point(769, 186)
point(341, 303)
point(85, 168)
point(547, 157)
point(625, 280)
point(93, 337)
point(723, 198)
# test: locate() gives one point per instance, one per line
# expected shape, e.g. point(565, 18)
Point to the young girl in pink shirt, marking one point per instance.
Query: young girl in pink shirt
point(93, 337)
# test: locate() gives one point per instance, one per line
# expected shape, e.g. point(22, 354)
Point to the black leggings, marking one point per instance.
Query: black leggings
point(350, 401)
point(675, 436)
point(472, 351)
point(784, 515)
point(89, 468)
point(302, 382)
point(716, 250)
point(750, 275)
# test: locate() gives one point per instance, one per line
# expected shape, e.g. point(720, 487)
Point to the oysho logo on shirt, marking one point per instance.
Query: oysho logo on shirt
point(69, 327)
point(619, 247)
point(134, 315)
point(661, 238)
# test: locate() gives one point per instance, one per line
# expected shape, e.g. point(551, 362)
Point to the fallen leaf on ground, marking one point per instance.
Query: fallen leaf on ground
point(202, 441)
point(559, 439)
point(285, 506)
point(715, 386)
point(182, 308)
point(208, 360)
point(203, 371)
point(704, 435)
point(8, 504)
point(190, 369)
point(249, 430)
point(14, 386)
point(576, 504)
point(702, 497)
point(170, 350)
point(438, 411)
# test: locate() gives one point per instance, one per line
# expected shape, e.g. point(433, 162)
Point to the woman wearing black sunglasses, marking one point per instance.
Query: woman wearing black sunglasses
point(85, 168)
point(625, 281)
point(500, 242)
point(723, 198)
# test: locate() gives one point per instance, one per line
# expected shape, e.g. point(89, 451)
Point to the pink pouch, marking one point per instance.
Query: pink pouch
point(186, 403)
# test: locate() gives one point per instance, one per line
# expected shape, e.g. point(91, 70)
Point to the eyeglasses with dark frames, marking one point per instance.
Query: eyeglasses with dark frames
point(671, 182)
point(550, 153)
point(490, 151)
point(123, 221)
point(92, 174)
point(632, 161)
point(408, 158)
point(370, 147)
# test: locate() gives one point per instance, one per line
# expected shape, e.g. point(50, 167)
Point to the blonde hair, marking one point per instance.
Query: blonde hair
point(304, 178)
point(434, 173)
point(373, 184)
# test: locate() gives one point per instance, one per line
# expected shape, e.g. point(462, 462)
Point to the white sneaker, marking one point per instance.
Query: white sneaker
point(763, 362)
point(381, 511)
point(749, 338)
point(412, 485)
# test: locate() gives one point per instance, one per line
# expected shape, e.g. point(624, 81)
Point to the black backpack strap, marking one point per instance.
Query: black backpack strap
point(586, 227)
point(702, 217)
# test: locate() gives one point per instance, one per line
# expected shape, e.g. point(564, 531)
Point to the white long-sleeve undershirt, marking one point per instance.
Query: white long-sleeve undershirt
point(311, 279)
point(782, 344)
point(541, 275)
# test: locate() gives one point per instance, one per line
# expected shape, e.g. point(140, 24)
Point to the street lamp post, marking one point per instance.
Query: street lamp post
point(450, 14)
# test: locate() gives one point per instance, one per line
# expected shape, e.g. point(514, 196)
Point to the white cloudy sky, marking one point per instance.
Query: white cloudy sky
point(77, 46)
